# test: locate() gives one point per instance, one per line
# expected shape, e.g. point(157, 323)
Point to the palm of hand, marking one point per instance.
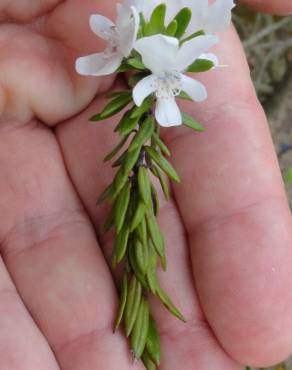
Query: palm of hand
point(222, 218)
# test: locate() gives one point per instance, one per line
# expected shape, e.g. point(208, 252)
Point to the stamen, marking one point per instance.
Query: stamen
point(168, 84)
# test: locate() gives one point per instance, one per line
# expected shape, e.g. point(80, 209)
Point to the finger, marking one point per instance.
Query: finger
point(52, 255)
point(41, 61)
point(24, 10)
point(193, 342)
point(22, 345)
point(281, 7)
point(234, 208)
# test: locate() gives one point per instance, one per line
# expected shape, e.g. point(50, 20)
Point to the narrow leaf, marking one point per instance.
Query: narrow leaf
point(141, 231)
point(123, 299)
point(157, 20)
point(162, 163)
point(127, 123)
point(138, 215)
point(121, 206)
point(191, 123)
point(161, 144)
point(115, 151)
point(183, 19)
point(140, 330)
point(144, 184)
point(171, 28)
point(152, 269)
point(142, 256)
point(144, 134)
point(132, 304)
point(169, 305)
point(163, 181)
point(147, 361)
point(114, 107)
point(120, 247)
point(153, 342)
point(134, 265)
point(200, 65)
point(155, 234)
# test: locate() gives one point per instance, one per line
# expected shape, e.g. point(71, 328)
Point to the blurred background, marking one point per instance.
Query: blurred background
point(268, 45)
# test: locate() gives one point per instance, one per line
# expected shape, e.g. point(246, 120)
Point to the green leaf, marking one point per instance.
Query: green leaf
point(191, 123)
point(171, 28)
point(141, 231)
point(130, 160)
point(161, 144)
point(151, 275)
point(141, 256)
point(138, 215)
point(162, 163)
point(200, 65)
point(144, 134)
point(123, 299)
point(120, 180)
point(163, 181)
point(113, 107)
point(120, 246)
point(121, 206)
point(155, 234)
point(120, 160)
point(132, 304)
point(144, 184)
point(157, 21)
point(140, 330)
point(136, 63)
point(115, 151)
point(153, 342)
point(183, 19)
point(127, 123)
point(192, 36)
point(147, 361)
point(134, 265)
point(169, 305)
point(145, 107)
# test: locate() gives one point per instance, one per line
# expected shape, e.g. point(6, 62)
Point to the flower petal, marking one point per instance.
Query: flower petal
point(199, 13)
point(158, 52)
point(101, 25)
point(143, 89)
point(128, 22)
point(97, 64)
point(192, 49)
point(167, 112)
point(219, 15)
point(212, 57)
point(195, 89)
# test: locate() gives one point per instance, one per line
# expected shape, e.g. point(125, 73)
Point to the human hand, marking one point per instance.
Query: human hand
point(228, 229)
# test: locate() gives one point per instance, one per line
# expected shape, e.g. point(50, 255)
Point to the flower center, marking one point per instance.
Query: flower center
point(168, 84)
point(113, 42)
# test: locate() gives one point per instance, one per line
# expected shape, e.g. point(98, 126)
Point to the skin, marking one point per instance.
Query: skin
point(228, 227)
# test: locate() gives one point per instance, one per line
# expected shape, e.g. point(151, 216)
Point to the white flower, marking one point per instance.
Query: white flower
point(120, 40)
point(167, 60)
point(209, 18)
point(145, 7)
